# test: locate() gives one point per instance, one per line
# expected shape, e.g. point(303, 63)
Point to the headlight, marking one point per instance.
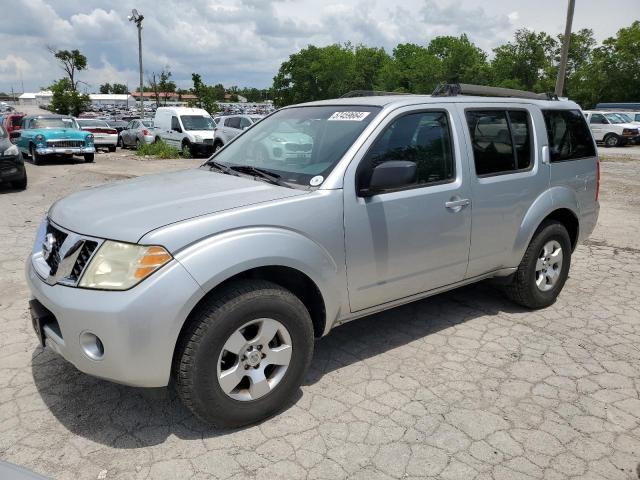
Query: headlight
point(197, 138)
point(89, 138)
point(11, 151)
point(120, 266)
point(39, 138)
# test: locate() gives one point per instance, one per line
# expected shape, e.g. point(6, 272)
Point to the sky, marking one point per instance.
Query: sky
point(243, 42)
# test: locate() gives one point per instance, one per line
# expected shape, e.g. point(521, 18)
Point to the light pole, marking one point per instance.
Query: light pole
point(136, 18)
point(564, 54)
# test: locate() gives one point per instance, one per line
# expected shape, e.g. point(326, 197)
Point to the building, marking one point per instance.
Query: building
point(120, 100)
point(42, 97)
point(168, 98)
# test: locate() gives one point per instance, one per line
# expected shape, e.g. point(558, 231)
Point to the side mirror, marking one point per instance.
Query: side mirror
point(178, 129)
point(15, 134)
point(391, 175)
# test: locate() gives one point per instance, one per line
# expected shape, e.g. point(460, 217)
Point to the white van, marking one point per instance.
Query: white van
point(189, 129)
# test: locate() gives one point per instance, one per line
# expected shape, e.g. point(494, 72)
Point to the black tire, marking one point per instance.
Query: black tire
point(157, 140)
point(88, 157)
point(138, 144)
point(522, 288)
point(217, 146)
point(112, 148)
point(612, 140)
point(120, 142)
point(186, 150)
point(199, 348)
point(20, 184)
point(35, 158)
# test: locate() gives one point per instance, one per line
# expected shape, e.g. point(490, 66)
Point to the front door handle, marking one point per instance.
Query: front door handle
point(457, 205)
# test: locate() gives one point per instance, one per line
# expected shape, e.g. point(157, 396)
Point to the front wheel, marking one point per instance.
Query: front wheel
point(36, 159)
point(244, 354)
point(612, 140)
point(544, 268)
point(112, 148)
point(88, 157)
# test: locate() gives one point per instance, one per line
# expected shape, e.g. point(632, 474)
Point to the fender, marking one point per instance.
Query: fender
point(551, 199)
point(217, 258)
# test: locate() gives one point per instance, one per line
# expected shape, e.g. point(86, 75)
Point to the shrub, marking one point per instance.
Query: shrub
point(158, 149)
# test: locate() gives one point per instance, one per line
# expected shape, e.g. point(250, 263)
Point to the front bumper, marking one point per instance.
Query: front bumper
point(138, 328)
point(11, 168)
point(65, 150)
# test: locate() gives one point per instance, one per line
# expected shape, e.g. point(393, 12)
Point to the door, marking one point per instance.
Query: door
point(175, 136)
point(599, 126)
point(126, 134)
point(506, 178)
point(401, 243)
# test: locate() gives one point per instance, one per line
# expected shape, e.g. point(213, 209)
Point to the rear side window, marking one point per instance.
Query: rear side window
point(423, 138)
point(569, 135)
point(598, 119)
point(233, 122)
point(501, 141)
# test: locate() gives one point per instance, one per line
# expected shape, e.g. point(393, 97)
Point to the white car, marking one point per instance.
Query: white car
point(104, 135)
point(188, 129)
point(633, 117)
point(230, 126)
point(612, 129)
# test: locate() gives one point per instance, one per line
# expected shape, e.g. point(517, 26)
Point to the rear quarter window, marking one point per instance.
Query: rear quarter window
point(569, 135)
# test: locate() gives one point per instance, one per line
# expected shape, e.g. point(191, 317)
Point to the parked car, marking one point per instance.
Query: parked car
point(231, 126)
point(630, 117)
point(219, 278)
point(119, 125)
point(137, 132)
point(11, 163)
point(105, 136)
point(43, 136)
point(188, 129)
point(12, 122)
point(612, 129)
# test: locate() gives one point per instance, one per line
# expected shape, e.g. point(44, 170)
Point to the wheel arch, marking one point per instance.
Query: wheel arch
point(557, 203)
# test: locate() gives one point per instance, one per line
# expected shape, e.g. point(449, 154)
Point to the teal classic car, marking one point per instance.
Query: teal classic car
point(43, 136)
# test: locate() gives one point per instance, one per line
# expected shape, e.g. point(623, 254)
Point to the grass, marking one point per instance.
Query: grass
point(160, 149)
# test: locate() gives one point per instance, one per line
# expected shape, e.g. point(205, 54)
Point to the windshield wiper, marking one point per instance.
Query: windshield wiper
point(221, 166)
point(270, 177)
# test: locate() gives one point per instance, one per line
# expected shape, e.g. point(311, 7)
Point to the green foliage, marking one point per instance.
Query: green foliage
point(67, 101)
point(116, 88)
point(71, 61)
point(159, 149)
point(105, 88)
point(207, 96)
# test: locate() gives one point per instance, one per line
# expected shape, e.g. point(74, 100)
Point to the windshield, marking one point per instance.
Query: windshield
point(197, 122)
point(93, 123)
point(53, 123)
point(625, 117)
point(615, 118)
point(299, 143)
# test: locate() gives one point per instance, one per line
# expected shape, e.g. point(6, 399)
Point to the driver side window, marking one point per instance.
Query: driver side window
point(423, 138)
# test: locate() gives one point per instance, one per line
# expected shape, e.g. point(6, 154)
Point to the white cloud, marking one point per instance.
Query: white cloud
point(243, 42)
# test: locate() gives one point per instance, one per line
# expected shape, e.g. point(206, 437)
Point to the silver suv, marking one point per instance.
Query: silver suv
point(218, 279)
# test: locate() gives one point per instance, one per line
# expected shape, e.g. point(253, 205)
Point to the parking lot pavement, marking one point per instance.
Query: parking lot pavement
point(465, 385)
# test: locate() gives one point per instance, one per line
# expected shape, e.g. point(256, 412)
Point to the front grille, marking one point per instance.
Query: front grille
point(86, 251)
point(54, 258)
point(298, 147)
point(7, 163)
point(65, 143)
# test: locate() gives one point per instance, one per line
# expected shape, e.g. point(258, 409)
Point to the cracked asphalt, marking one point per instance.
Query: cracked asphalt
point(464, 385)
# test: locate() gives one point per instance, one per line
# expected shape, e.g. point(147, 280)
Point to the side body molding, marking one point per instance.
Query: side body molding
point(220, 257)
point(552, 199)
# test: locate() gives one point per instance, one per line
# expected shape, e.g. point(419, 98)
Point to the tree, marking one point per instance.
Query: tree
point(165, 84)
point(105, 88)
point(206, 95)
point(460, 60)
point(67, 101)
point(71, 61)
point(526, 62)
point(119, 89)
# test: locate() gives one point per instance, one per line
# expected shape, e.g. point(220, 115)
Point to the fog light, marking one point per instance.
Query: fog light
point(91, 346)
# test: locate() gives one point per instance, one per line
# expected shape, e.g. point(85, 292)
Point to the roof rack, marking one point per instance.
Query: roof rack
point(454, 89)
point(370, 93)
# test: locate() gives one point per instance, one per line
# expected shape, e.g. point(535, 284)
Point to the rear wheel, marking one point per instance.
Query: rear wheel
point(157, 140)
point(20, 184)
point(88, 157)
point(112, 148)
point(544, 268)
point(217, 146)
point(137, 144)
point(612, 140)
point(245, 354)
point(186, 149)
point(120, 142)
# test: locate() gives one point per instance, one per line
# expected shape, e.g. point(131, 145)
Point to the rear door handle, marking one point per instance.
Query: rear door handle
point(457, 205)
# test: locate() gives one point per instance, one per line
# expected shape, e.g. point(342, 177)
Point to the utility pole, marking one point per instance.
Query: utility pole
point(564, 54)
point(137, 19)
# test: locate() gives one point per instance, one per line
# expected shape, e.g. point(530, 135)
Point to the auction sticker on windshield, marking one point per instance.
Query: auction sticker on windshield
point(349, 116)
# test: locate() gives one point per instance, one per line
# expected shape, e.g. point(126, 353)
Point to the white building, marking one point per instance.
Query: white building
point(111, 99)
point(36, 99)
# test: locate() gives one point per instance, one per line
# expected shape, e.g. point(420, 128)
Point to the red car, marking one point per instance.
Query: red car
point(12, 121)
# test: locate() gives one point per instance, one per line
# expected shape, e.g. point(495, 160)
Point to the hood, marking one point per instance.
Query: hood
point(201, 133)
point(70, 133)
point(128, 210)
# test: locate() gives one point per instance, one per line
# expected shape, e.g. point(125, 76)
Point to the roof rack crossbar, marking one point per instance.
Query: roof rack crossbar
point(454, 89)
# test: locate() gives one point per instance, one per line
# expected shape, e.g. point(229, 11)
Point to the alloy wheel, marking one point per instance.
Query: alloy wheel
point(549, 265)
